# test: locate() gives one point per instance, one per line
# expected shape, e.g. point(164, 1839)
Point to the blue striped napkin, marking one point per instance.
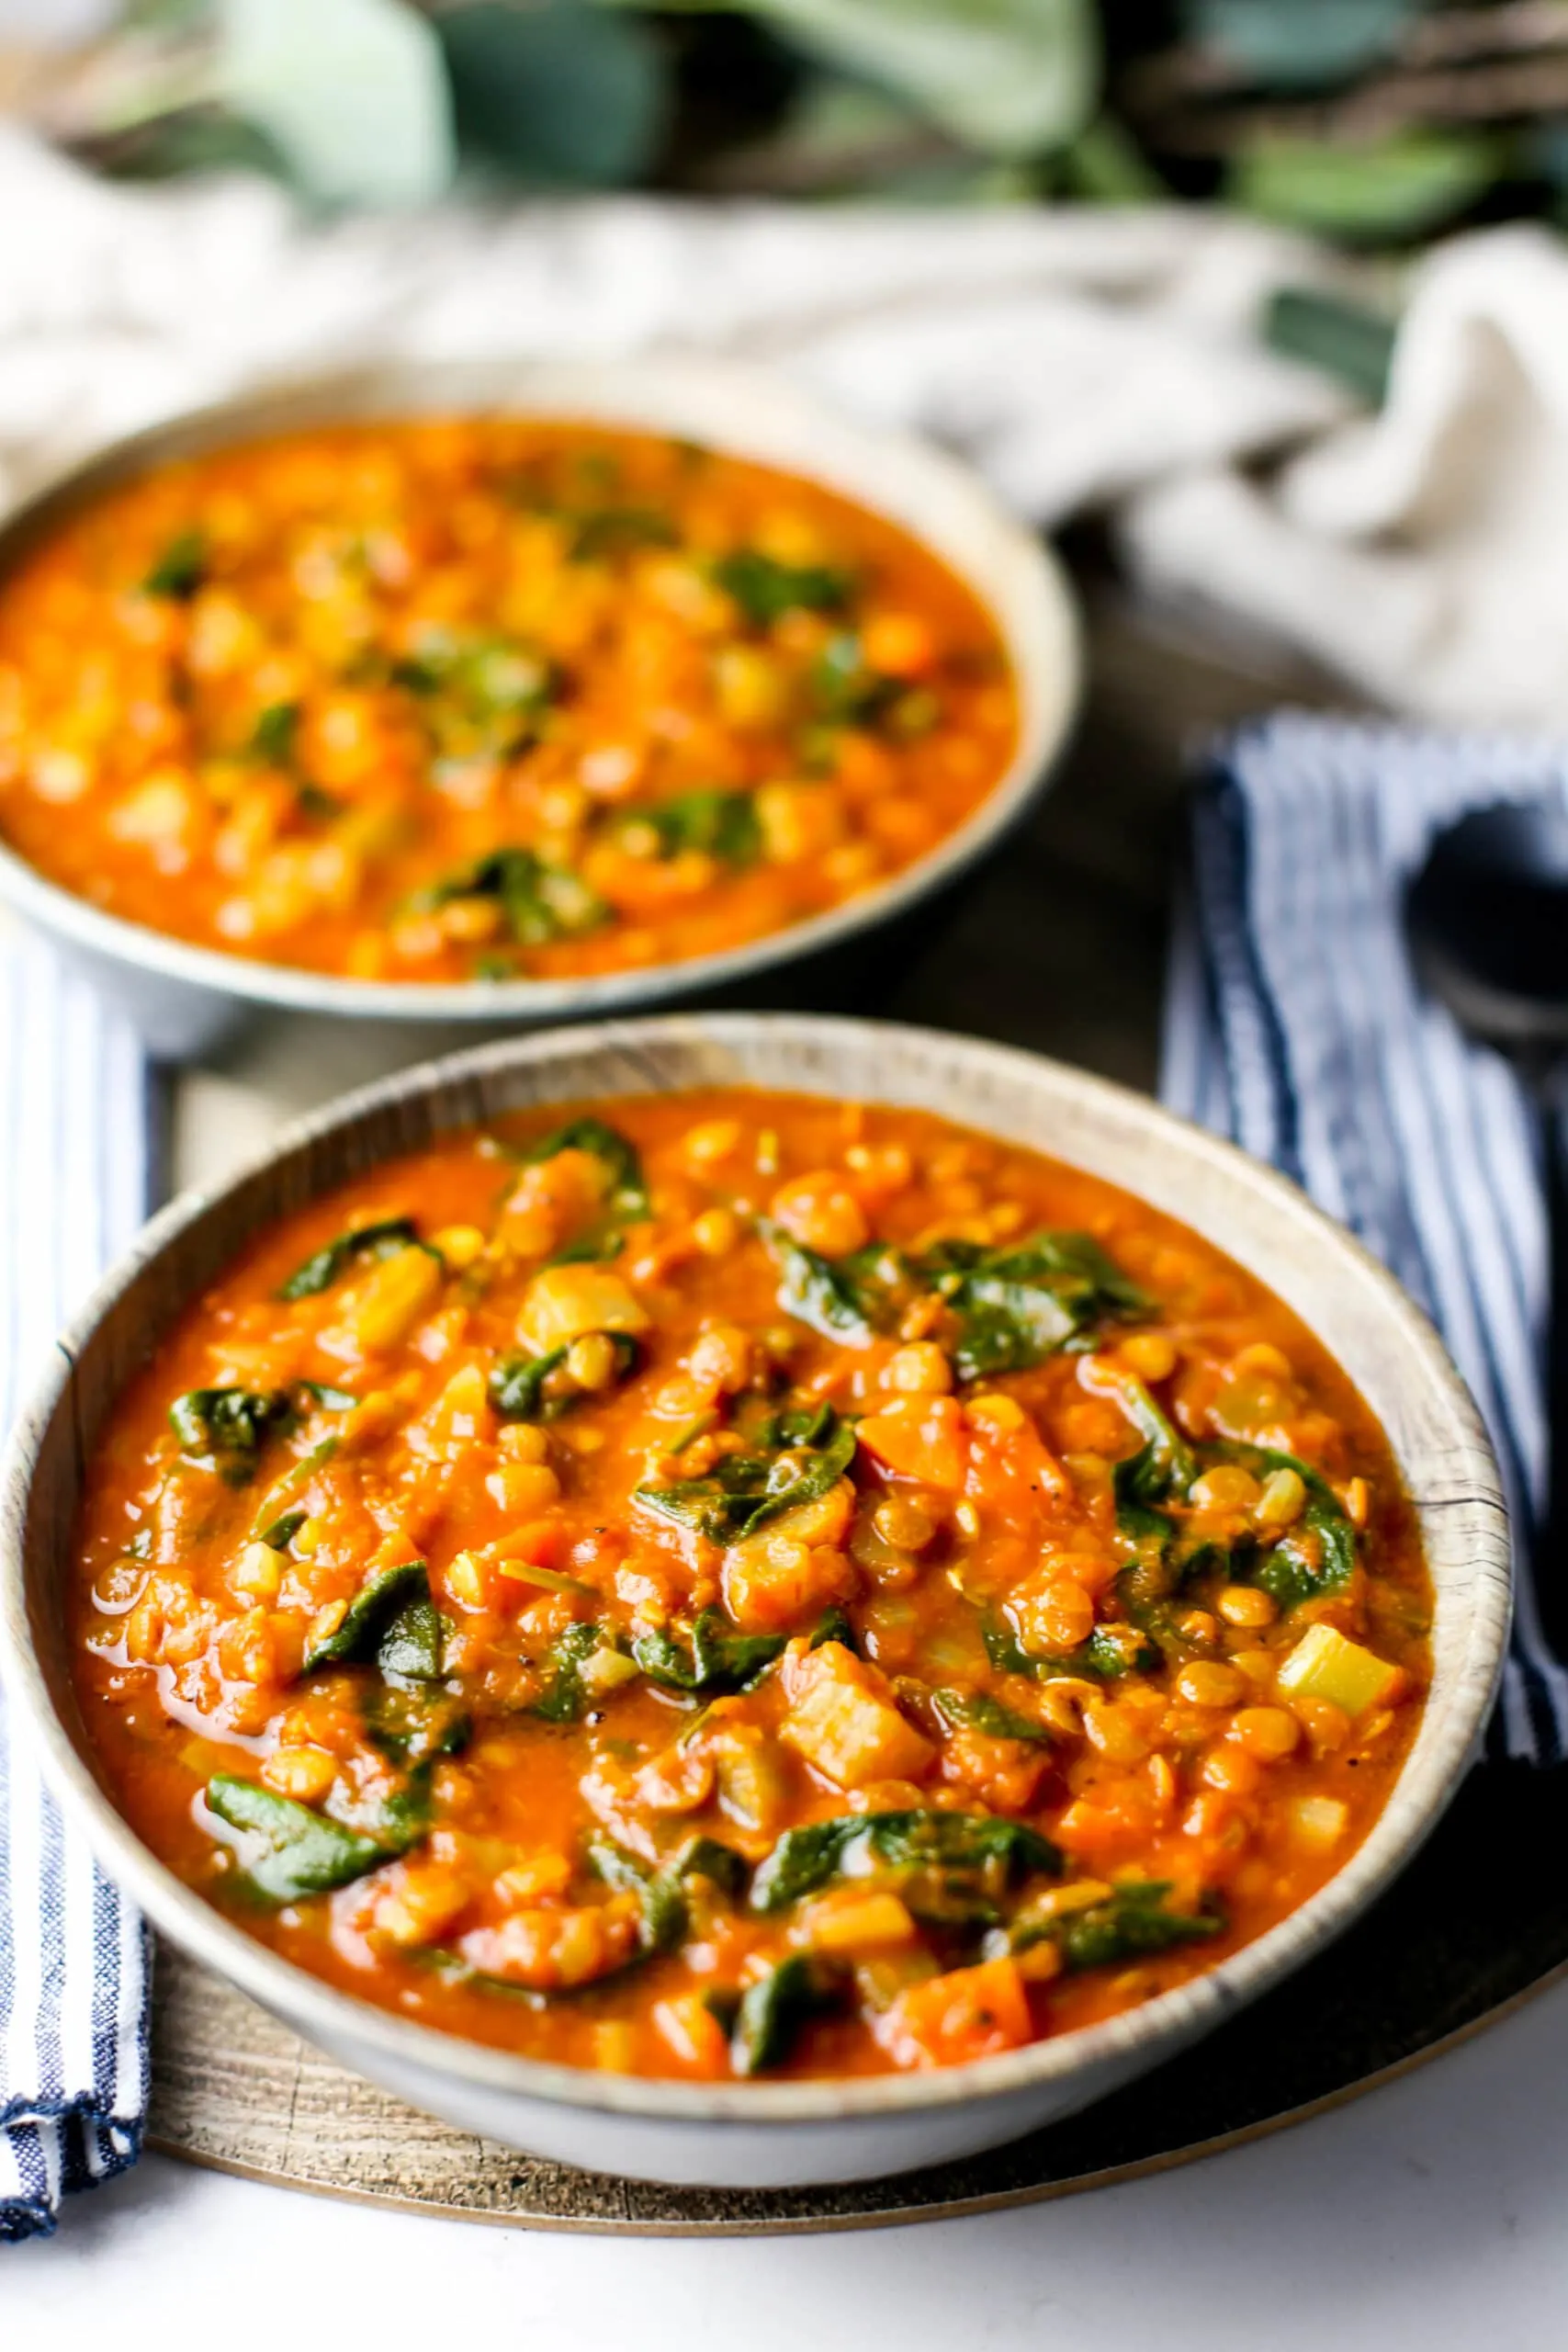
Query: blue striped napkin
point(1294, 1026)
point(78, 1130)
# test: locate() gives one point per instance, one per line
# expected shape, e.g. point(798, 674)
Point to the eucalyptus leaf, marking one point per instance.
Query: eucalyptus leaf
point(1288, 46)
point(1402, 187)
point(352, 92)
point(560, 92)
point(1011, 77)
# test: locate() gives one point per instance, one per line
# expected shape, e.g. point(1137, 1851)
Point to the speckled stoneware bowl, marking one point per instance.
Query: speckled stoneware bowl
point(186, 999)
point(780, 2134)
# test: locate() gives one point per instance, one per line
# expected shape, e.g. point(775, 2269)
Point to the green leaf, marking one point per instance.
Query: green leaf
point(1131, 1923)
point(556, 91)
point(1110, 1652)
point(181, 570)
point(273, 735)
point(516, 1383)
point(565, 1698)
point(979, 1846)
point(744, 1491)
point(384, 1239)
point(1314, 1557)
point(377, 1615)
point(978, 1711)
point(295, 1852)
point(765, 590)
point(1011, 77)
point(720, 1660)
point(1402, 187)
point(773, 2012)
point(832, 1296)
point(540, 901)
point(225, 1429)
point(352, 92)
point(1286, 46)
point(1021, 1303)
point(414, 1725)
point(723, 824)
point(605, 532)
point(1345, 339)
point(663, 1905)
point(1165, 1465)
point(279, 1533)
point(628, 1188)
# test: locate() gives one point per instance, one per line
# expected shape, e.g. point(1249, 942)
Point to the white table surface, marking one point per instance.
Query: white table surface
point(1433, 2213)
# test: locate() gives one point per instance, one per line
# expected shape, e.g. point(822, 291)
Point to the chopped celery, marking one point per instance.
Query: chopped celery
point(1324, 1665)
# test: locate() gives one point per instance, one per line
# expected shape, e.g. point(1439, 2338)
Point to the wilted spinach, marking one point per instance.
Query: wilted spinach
point(517, 1382)
point(181, 568)
point(540, 902)
point(1110, 1652)
point(719, 1659)
point(300, 1852)
point(797, 1458)
point(384, 1237)
point(722, 824)
point(1132, 1922)
point(1020, 1302)
point(765, 589)
point(628, 1188)
point(392, 1620)
point(225, 1429)
point(773, 2011)
point(956, 1845)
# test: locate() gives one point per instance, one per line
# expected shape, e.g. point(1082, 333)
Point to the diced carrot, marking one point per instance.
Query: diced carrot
point(922, 1437)
point(969, 2013)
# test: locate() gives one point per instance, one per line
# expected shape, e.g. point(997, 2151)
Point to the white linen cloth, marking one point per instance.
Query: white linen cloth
point(1079, 358)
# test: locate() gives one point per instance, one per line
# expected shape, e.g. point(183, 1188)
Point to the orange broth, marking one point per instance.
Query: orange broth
point(476, 699)
point(737, 1583)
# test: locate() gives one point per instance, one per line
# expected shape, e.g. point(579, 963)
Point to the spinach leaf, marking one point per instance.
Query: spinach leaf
point(540, 901)
point(225, 1429)
point(413, 1724)
point(383, 1238)
point(181, 570)
point(1131, 1923)
point(723, 824)
point(765, 590)
point(829, 1294)
point(516, 1383)
point(609, 531)
point(1018, 1304)
point(720, 1660)
point(974, 1845)
point(978, 1711)
point(565, 1697)
point(280, 1533)
point(300, 1852)
point(1315, 1557)
point(1110, 1652)
point(845, 689)
point(744, 1491)
point(708, 1858)
point(629, 1187)
point(663, 1905)
point(391, 1620)
point(483, 696)
point(275, 734)
point(1164, 1466)
point(834, 1625)
point(773, 2012)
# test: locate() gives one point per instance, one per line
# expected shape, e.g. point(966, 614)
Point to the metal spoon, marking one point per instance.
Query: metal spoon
point(1487, 922)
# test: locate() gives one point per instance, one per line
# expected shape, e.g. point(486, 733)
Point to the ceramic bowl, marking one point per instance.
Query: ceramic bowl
point(186, 999)
point(783, 2134)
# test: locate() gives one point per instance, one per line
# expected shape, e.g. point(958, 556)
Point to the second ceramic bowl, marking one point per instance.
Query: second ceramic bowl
point(187, 999)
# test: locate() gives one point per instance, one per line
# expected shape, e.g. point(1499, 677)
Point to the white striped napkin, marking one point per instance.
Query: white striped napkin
point(78, 1134)
point(1294, 1024)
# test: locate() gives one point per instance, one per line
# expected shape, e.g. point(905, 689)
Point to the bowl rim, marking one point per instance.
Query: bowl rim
point(341, 2021)
point(1046, 653)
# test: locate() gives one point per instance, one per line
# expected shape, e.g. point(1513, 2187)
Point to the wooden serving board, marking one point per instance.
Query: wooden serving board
point(1060, 946)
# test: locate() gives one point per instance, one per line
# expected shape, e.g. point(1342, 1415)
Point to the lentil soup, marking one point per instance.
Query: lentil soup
point(486, 697)
point(732, 1584)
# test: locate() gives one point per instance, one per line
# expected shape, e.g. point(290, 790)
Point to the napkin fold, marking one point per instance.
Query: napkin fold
point(79, 1125)
point(1294, 1026)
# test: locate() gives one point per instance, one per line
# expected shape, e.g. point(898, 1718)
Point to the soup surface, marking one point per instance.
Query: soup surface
point(732, 1584)
point(484, 698)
